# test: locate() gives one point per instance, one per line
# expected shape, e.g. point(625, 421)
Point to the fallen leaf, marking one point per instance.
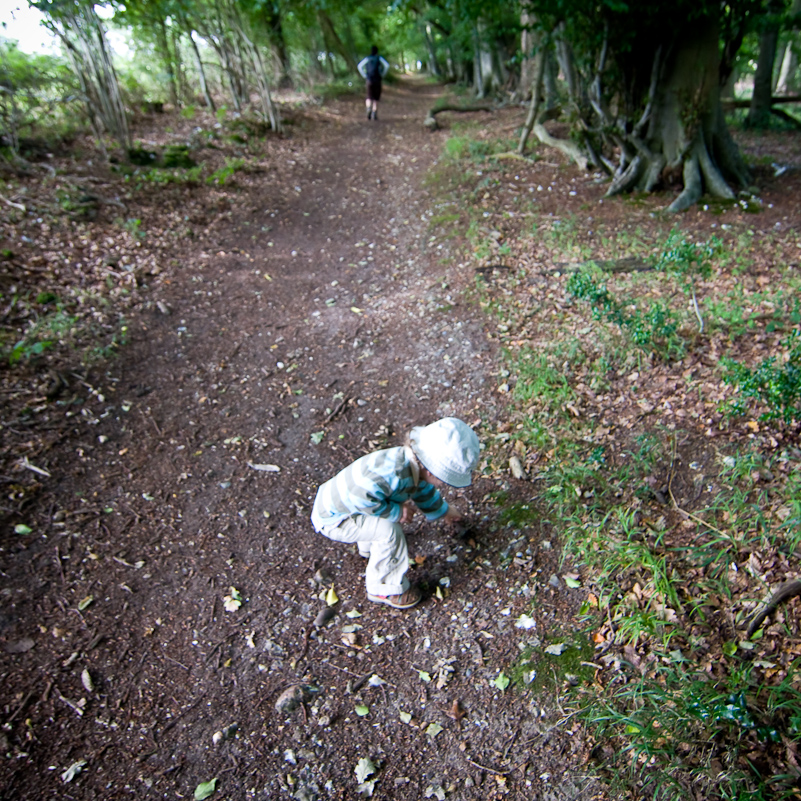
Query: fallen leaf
point(364, 769)
point(502, 682)
point(317, 437)
point(205, 789)
point(85, 602)
point(21, 528)
point(525, 622)
point(331, 597)
point(86, 680)
point(265, 468)
point(362, 710)
point(426, 677)
point(233, 601)
point(455, 712)
point(556, 649)
point(433, 730)
point(405, 717)
point(572, 581)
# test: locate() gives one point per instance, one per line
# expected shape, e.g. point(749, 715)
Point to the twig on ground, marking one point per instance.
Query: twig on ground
point(13, 204)
point(26, 464)
point(21, 706)
point(183, 713)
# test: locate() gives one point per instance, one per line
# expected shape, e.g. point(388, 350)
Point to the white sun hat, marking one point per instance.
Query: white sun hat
point(448, 449)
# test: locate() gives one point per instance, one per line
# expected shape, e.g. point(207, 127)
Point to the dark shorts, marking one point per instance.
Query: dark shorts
point(374, 90)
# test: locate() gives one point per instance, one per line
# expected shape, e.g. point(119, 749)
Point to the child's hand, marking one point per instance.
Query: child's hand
point(408, 512)
point(453, 515)
point(455, 522)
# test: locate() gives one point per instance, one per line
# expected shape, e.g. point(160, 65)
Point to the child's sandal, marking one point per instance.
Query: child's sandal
point(406, 600)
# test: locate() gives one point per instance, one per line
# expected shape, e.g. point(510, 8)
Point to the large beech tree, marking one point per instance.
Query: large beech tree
point(645, 81)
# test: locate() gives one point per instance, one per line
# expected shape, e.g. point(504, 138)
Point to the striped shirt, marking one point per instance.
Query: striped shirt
point(377, 484)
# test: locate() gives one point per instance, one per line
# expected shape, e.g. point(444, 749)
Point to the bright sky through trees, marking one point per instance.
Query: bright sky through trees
point(22, 23)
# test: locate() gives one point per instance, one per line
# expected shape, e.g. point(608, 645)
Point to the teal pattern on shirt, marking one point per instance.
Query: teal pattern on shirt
point(376, 484)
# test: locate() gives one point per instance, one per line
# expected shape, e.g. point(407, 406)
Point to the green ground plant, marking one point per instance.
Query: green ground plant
point(222, 175)
point(689, 262)
point(772, 384)
point(654, 330)
point(43, 334)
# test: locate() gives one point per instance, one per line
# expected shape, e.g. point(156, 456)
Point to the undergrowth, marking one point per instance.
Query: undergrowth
point(680, 696)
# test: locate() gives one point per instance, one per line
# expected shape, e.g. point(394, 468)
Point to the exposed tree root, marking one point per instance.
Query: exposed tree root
point(784, 592)
point(693, 187)
point(628, 179)
point(431, 123)
point(570, 149)
point(714, 181)
point(630, 264)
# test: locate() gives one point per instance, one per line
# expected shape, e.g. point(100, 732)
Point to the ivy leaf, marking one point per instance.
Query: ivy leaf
point(364, 769)
point(233, 601)
point(205, 789)
point(502, 682)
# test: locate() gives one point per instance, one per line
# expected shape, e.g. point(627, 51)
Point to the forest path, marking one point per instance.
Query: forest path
point(313, 317)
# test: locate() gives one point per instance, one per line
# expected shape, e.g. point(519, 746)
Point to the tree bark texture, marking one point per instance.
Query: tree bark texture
point(683, 130)
point(759, 113)
point(201, 72)
point(332, 37)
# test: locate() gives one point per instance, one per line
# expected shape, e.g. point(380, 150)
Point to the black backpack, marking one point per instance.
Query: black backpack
point(373, 69)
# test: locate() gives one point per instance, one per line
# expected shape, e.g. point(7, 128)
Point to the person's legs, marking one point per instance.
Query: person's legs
point(388, 553)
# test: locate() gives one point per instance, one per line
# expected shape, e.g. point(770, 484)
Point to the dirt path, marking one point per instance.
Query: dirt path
point(311, 320)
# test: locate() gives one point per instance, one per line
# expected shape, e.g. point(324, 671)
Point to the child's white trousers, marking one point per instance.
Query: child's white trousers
point(384, 543)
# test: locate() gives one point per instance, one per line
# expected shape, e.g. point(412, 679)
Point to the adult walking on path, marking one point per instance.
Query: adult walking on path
point(373, 68)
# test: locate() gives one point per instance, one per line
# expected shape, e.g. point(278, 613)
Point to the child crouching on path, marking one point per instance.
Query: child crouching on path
point(369, 500)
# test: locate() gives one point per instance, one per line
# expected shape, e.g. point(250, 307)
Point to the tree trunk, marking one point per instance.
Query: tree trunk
point(478, 77)
point(332, 37)
point(275, 26)
point(433, 64)
point(786, 83)
point(759, 113)
point(268, 107)
point(163, 45)
point(686, 131)
point(534, 106)
point(204, 87)
point(528, 62)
